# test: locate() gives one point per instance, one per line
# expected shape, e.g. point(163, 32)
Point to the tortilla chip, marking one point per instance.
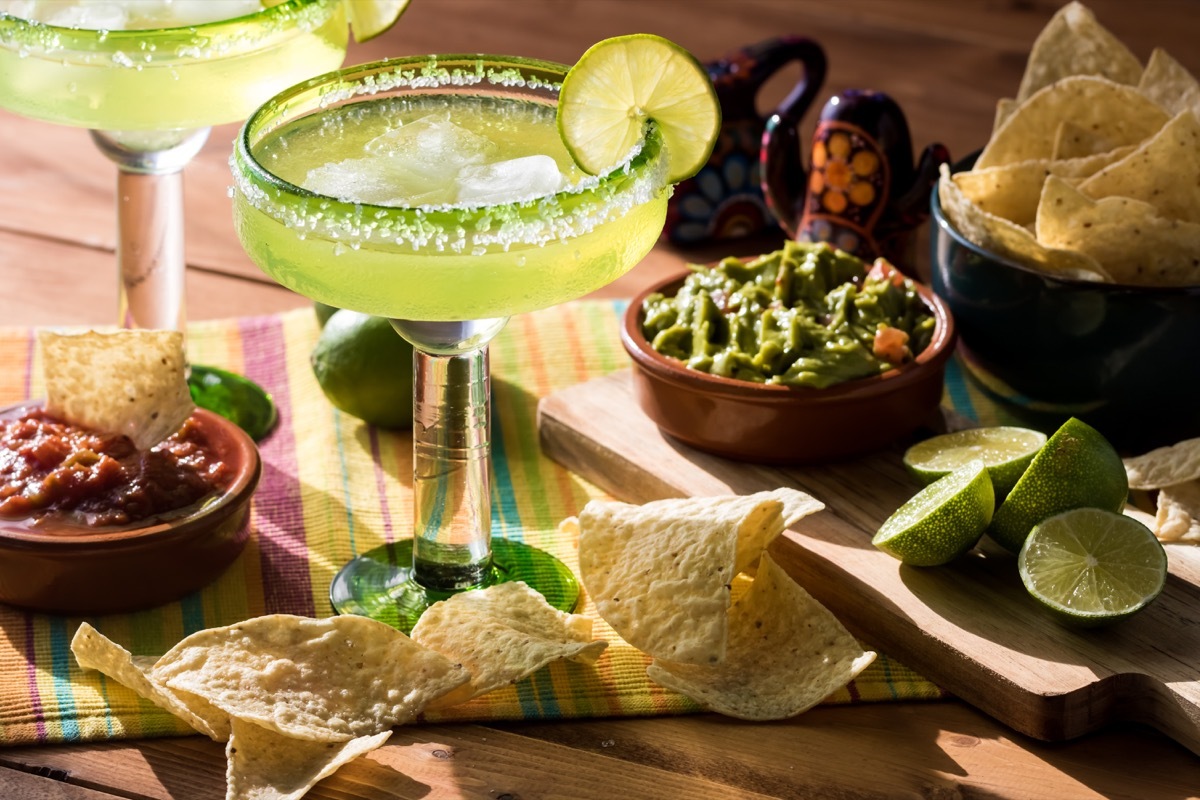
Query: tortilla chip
point(261, 764)
point(328, 680)
point(758, 533)
point(1164, 171)
point(660, 573)
point(95, 651)
point(1168, 83)
point(131, 382)
point(502, 634)
point(786, 654)
point(1165, 466)
point(1130, 239)
point(1010, 240)
point(1074, 43)
point(1012, 191)
point(1143, 517)
point(1075, 141)
point(1178, 518)
point(1004, 108)
point(1119, 113)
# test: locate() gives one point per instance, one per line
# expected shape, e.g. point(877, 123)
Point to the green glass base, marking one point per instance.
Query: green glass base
point(235, 397)
point(378, 584)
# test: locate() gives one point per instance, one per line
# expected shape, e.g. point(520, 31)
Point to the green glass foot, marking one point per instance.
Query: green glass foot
point(378, 584)
point(235, 397)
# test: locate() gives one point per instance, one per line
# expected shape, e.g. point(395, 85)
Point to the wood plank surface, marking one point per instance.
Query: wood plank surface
point(946, 63)
point(971, 628)
point(894, 751)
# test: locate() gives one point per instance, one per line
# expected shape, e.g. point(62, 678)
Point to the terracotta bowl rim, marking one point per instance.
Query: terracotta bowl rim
point(160, 533)
point(942, 222)
point(934, 356)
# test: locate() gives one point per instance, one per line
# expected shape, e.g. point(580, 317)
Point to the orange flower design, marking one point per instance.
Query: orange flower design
point(843, 174)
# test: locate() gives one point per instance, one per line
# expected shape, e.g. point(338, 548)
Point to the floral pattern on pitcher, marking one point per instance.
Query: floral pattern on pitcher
point(848, 185)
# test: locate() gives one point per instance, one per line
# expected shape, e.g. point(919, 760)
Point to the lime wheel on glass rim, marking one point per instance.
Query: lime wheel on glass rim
point(370, 18)
point(622, 84)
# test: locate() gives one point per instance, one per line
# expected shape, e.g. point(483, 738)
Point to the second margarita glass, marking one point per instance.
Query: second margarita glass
point(149, 96)
point(440, 196)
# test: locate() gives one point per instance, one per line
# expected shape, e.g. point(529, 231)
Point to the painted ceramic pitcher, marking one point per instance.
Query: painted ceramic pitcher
point(724, 200)
point(861, 191)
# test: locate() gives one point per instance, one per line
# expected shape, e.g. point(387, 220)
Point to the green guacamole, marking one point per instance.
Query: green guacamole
point(806, 315)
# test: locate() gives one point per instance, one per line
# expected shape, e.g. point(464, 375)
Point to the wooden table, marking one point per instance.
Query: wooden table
point(946, 63)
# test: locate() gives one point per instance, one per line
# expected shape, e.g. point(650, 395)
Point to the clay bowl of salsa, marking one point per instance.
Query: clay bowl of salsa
point(773, 423)
point(89, 525)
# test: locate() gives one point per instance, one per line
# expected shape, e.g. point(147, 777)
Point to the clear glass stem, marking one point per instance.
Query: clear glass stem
point(150, 233)
point(452, 509)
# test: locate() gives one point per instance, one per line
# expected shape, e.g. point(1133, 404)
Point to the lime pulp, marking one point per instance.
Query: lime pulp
point(1005, 450)
point(1091, 567)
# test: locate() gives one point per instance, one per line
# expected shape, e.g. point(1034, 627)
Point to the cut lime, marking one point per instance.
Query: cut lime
point(943, 520)
point(1006, 451)
point(369, 18)
point(1091, 567)
point(618, 85)
point(1076, 468)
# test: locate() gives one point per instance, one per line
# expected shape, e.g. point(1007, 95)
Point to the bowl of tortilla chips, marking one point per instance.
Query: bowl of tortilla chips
point(1068, 248)
point(116, 493)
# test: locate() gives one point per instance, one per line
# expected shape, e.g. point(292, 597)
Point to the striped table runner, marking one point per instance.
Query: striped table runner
point(333, 487)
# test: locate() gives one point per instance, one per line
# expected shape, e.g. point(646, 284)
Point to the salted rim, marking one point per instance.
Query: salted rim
point(141, 47)
point(572, 211)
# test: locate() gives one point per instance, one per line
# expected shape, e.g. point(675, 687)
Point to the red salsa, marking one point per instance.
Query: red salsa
point(51, 469)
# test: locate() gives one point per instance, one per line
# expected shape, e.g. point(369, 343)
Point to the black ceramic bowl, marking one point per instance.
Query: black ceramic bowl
point(1122, 358)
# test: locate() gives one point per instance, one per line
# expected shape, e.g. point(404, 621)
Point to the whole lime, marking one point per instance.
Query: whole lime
point(323, 312)
point(365, 368)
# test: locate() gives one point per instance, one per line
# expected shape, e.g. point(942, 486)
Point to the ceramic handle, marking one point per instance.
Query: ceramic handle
point(782, 169)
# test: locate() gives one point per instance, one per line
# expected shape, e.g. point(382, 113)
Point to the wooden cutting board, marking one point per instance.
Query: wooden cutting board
point(970, 627)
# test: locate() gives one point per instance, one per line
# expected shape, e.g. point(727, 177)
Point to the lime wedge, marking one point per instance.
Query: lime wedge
point(1076, 468)
point(618, 85)
point(1005, 450)
point(943, 520)
point(369, 18)
point(1092, 567)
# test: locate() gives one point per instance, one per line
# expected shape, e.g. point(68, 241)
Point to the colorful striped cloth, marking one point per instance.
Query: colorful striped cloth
point(333, 487)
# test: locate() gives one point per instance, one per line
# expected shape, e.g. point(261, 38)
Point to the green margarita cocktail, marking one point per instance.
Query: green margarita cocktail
point(150, 65)
point(149, 77)
point(408, 205)
point(436, 191)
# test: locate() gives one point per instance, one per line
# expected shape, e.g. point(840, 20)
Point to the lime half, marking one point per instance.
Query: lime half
point(1092, 567)
point(622, 83)
point(1006, 451)
point(369, 18)
point(943, 520)
point(1076, 468)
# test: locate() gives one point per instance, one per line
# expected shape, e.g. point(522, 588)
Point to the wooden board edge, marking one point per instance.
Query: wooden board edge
point(1058, 717)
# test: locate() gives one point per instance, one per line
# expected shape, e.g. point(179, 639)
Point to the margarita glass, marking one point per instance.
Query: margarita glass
point(389, 232)
point(149, 96)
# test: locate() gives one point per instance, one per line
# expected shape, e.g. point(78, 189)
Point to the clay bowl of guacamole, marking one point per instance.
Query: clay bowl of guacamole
point(803, 355)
